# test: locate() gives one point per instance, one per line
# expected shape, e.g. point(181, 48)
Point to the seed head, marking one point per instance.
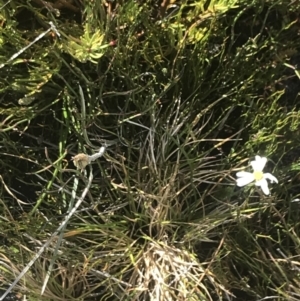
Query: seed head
point(81, 161)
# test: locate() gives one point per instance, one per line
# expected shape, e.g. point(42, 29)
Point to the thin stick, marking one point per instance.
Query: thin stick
point(52, 27)
point(47, 243)
point(60, 238)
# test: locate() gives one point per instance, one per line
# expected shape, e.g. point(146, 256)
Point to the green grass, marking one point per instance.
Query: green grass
point(183, 96)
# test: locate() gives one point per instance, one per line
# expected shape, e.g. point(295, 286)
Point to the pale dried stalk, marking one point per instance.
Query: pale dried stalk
point(82, 160)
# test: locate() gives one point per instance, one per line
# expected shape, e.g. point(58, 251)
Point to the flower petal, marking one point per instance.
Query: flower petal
point(264, 186)
point(270, 177)
point(259, 163)
point(242, 174)
point(244, 178)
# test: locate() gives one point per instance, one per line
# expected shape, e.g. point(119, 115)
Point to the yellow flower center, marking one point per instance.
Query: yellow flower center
point(258, 175)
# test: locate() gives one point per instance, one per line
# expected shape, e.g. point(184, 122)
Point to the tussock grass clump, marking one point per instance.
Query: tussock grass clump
point(182, 95)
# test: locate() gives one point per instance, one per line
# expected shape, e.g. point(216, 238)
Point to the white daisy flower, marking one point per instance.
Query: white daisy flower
point(260, 178)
